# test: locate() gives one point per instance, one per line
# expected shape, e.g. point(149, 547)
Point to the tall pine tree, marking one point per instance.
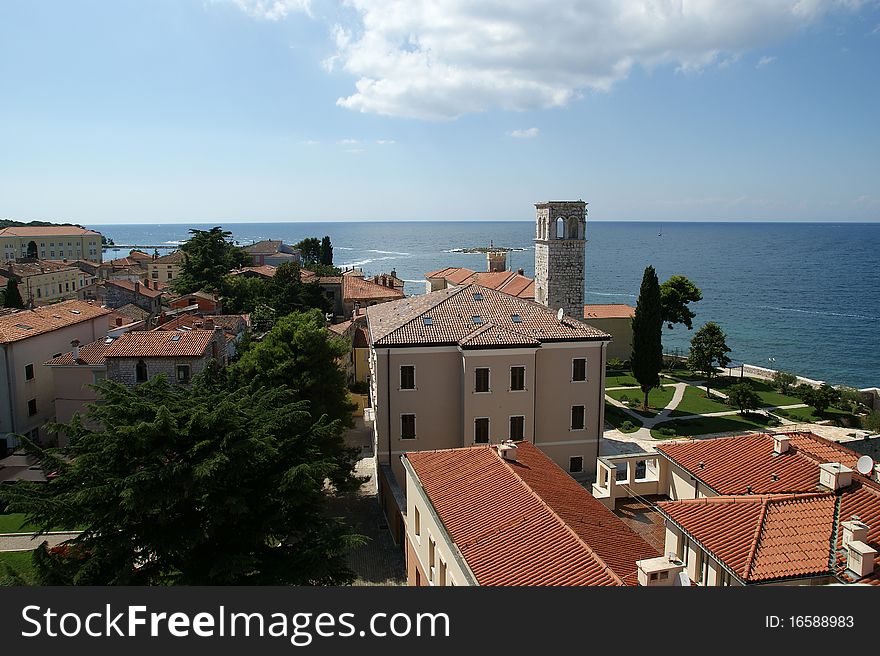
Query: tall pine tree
point(647, 325)
point(13, 296)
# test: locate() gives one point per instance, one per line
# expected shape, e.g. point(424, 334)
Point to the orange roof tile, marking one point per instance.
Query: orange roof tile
point(609, 311)
point(90, 354)
point(356, 288)
point(46, 231)
point(265, 270)
point(143, 290)
point(732, 464)
point(27, 323)
point(527, 512)
point(158, 344)
point(455, 275)
point(458, 313)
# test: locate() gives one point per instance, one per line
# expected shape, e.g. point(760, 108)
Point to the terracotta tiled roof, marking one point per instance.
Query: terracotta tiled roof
point(27, 323)
point(205, 296)
point(132, 311)
point(46, 231)
point(731, 464)
point(129, 285)
point(457, 313)
point(863, 500)
point(26, 269)
point(609, 311)
point(526, 522)
point(229, 322)
point(358, 289)
point(173, 257)
point(508, 282)
point(266, 270)
point(266, 247)
point(158, 344)
point(90, 354)
point(340, 328)
point(139, 255)
point(761, 538)
point(330, 280)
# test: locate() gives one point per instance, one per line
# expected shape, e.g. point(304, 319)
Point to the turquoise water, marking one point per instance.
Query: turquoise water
point(806, 294)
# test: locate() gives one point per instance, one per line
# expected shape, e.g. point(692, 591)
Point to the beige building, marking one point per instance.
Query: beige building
point(166, 268)
point(508, 515)
point(616, 320)
point(51, 243)
point(28, 339)
point(41, 282)
point(472, 365)
point(756, 509)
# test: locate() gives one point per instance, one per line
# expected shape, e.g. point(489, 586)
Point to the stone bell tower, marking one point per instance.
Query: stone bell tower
point(560, 238)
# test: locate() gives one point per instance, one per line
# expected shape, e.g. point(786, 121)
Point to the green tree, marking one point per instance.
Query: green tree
point(850, 399)
point(872, 421)
point(743, 397)
point(208, 257)
point(708, 351)
point(299, 353)
point(12, 298)
point(199, 485)
point(784, 381)
point(326, 251)
point(647, 327)
point(820, 397)
point(675, 295)
point(310, 249)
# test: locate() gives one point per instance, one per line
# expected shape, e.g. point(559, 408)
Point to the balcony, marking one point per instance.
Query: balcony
point(617, 477)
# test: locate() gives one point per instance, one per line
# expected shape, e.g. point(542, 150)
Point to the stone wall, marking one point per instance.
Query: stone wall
point(559, 261)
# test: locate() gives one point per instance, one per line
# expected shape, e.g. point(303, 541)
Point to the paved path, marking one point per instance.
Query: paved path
point(27, 541)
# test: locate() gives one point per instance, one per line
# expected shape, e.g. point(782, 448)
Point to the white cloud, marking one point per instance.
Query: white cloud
point(271, 9)
point(876, 29)
point(348, 142)
point(440, 59)
point(765, 61)
point(529, 133)
point(385, 142)
point(310, 142)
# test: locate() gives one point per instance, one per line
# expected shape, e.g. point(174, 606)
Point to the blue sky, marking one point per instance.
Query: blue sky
point(302, 110)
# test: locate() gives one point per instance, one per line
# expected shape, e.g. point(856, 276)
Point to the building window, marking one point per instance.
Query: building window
point(67, 286)
point(517, 428)
point(441, 580)
point(140, 372)
point(154, 274)
point(407, 427)
point(481, 430)
point(481, 379)
point(39, 293)
point(417, 528)
point(517, 378)
point(577, 417)
point(183, 373)
point(32, 407)
point(432, 558)
point(407, 377)
point(576, 464)
point(29, 372)
point(579, 369)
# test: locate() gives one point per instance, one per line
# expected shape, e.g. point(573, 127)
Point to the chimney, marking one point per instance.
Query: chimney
point(521, 271)
point(146, 283)
point(507, 450)
point(860, 558)
point(75, 345)
point(137, 288)
point(834, 476)
point(662, 571)
point(208, 324)
point(854, 531)
point(781, 444)
point(118, 321)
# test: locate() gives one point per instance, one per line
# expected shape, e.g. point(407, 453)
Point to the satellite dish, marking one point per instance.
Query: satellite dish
point(559, 314)
point(865, 465)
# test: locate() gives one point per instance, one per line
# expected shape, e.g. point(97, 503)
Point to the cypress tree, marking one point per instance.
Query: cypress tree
point(13, 297)
point(647, 326)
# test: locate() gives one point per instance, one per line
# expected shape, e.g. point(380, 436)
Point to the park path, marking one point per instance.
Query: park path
point(28, 542)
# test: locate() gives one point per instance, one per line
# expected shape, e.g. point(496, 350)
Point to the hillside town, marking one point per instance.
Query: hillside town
point(495, 430)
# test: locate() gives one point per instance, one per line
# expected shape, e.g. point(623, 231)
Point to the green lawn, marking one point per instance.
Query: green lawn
point(620, 379)
point(705, 425)
point(658, 398)
point(615, 416)
point(12, 523)
point(764, 389)
point(681, 372)
point(809, 415)
point(696, 403)
point(20, 563)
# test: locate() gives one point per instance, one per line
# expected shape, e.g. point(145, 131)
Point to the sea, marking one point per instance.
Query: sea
point(800, 297)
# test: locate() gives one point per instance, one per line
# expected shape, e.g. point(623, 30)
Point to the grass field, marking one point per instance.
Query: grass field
point(811, 416)
point(658, 398)
point(706, 425)
point(615, 416)
point(12, 523)
point(625, 379)
point(695, 402)
point(20, 564)
point(765, 390)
